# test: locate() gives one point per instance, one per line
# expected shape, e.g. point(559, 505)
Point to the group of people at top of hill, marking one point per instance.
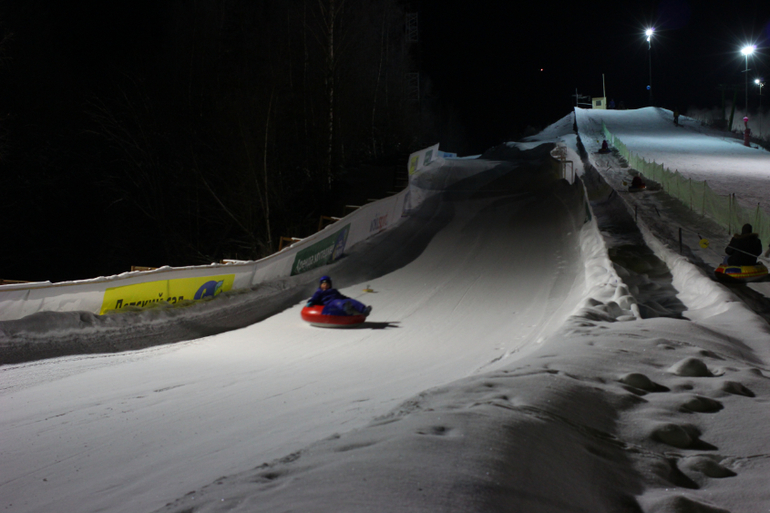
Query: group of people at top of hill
point(744, 247)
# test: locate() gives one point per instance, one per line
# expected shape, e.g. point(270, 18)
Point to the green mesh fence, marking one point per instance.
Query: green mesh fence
point(698, 196)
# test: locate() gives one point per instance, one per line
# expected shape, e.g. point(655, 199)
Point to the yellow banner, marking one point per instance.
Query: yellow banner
point(413, 161)
point(172, 291)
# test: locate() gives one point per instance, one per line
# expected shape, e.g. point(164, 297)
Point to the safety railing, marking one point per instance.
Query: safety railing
point(727, 211)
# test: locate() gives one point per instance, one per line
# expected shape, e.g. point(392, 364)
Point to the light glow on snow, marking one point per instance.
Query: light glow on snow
point(505, 367)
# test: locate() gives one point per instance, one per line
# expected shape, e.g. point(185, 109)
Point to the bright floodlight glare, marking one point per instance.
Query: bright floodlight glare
point(756, 81)
point(649, 32)
point(748, 50)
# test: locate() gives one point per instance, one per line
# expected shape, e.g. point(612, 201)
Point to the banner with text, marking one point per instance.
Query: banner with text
point(429, 174)
point(422, 158)
point(321, 253)
point(171, 291)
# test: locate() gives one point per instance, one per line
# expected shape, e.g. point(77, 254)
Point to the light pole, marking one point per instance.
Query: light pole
point(761, 83)
point(649, 32)
point(747, 50)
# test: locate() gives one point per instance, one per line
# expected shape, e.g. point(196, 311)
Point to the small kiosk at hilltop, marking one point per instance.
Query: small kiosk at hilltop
point(599, 102)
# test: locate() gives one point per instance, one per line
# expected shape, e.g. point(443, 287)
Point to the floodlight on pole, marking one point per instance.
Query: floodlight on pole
point(649, 32)
point(761, 83)
point(746, 51)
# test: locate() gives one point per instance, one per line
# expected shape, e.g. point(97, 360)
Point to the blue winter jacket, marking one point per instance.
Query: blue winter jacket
point(324, 297)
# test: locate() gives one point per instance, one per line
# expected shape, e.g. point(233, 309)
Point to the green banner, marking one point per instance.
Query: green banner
point(321, 253)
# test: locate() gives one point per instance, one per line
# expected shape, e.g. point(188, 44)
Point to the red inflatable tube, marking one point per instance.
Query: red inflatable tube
point(313, 315)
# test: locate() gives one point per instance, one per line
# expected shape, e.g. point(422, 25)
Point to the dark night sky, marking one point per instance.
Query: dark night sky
point(486, 57)
point(482, 57)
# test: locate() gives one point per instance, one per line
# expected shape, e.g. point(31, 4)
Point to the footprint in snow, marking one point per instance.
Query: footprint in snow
point(707, 464)
point(683, 436)
point(667, 469)
point(735, 388)
point(700, 404)
point(639, 382)
point(435, 431)
point(691, 367)
point(678, 503)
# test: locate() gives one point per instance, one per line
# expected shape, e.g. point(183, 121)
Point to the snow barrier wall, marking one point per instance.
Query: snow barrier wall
point(697, 195)
point(178, 284)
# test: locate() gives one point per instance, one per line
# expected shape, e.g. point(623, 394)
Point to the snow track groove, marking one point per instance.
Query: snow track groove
point(454, 290)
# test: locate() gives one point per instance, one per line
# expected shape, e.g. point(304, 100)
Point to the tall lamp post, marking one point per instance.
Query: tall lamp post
point(747, 50)
point(761, 83)
point(649, 33)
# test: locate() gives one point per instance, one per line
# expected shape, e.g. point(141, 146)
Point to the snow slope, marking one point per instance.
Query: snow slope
point(696, 151)
point(505, 367)
point(444, 315)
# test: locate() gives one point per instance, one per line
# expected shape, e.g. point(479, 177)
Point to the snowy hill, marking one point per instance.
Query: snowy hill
point(508, 365)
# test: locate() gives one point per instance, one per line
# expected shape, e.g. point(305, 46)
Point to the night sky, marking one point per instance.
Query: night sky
point(501, 65)
point(506, 65)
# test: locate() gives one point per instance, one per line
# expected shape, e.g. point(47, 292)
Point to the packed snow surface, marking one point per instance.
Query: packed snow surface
point(508, 365)
point(696, 151)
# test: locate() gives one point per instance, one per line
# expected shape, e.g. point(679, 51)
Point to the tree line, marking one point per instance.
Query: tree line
point(218, 127)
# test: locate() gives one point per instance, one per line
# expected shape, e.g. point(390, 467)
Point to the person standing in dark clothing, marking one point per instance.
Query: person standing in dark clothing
point(744, 248)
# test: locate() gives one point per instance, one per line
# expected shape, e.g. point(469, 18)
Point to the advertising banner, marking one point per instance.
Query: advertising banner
point(378, 223)
point(422, 158)
point(429, 174)
point(322, 252)
point(172, 291)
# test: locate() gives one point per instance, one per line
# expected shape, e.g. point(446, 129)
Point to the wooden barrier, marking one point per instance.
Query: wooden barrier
point(289, 240)
point(329, 220)
point(12, 282)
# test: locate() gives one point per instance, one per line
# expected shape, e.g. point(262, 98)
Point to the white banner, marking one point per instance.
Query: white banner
point(172, 283)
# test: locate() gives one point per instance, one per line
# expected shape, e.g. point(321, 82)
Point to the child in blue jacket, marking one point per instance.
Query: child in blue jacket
point(334, 302)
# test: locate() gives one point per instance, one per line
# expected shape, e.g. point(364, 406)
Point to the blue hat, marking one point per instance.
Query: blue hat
point(325, 279)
